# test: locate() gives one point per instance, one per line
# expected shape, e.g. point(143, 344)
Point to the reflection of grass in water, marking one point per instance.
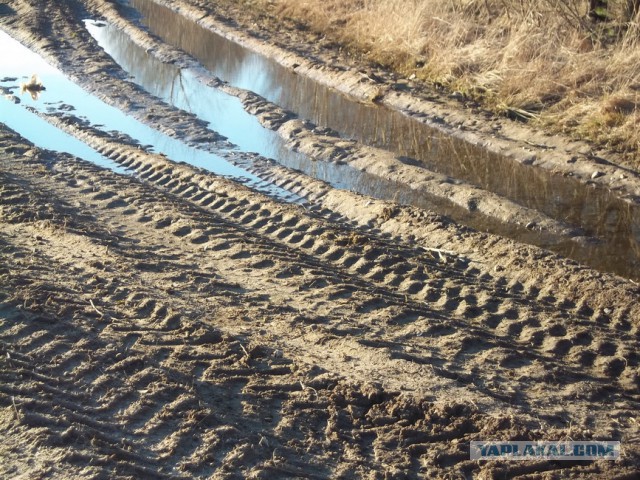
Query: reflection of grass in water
point(545, 62)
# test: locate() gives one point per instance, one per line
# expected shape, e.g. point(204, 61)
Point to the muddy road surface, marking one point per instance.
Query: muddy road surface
point(185, 298)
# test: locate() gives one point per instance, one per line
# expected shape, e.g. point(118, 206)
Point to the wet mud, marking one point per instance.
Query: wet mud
point(165, 321)
point(613, 218)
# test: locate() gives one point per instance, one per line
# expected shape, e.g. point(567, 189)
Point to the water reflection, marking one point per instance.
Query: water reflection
point(189, 90)
point(595, 210)
point(183, 89)
point(558, 197)
point(16, 61)
point(44, 135)
point(19, 62)
point(34, 86)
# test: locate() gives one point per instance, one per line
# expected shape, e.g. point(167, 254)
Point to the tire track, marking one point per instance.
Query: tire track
point(173, 181)
point(391, 270)
point(182, 326)
point(142, 403)
point(392, 262)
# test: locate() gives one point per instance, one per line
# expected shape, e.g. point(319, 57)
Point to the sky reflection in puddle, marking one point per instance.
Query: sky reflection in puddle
point(61, 94)
point(183, 89)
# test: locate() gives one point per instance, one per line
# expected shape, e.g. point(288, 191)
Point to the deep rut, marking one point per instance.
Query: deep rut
point(188, 326)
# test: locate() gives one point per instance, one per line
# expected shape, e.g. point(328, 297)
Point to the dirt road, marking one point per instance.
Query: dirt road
point(175, 324)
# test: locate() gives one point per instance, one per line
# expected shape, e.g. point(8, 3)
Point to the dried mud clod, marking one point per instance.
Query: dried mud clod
point(34, 87)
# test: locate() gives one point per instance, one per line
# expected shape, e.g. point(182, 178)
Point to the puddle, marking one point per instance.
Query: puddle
point(595, 210)
point(62, 95)
point(188, 90)
point(44, 135)
point(30, 125)
point(183, 88)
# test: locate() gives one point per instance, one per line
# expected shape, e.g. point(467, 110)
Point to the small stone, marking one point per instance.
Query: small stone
point(607, 311)
point(596, 174)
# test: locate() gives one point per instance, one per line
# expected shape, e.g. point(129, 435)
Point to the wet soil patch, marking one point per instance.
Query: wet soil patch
point(62, 97)
point(600, 212)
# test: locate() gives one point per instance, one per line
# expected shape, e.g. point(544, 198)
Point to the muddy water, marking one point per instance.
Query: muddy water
point(27, 122)
point(44, 135)
point(184, 89)
point(61, 96)
point(597, 211)
point(189, 90)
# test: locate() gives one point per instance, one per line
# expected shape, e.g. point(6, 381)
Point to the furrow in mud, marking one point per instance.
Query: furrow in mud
point(375, 172)
point(571, 188)
point(365, 83)
point(426, 188)
point(140, 380)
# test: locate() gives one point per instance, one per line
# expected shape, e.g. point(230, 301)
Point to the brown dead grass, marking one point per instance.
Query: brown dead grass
point(542, 60)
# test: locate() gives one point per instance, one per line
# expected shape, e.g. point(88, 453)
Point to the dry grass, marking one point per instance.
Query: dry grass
point(541, 59)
